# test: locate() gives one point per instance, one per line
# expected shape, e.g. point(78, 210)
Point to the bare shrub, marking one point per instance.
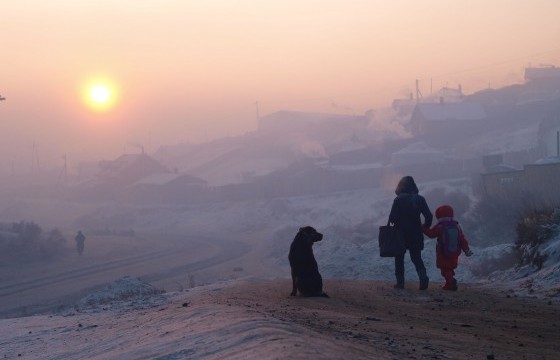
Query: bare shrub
point(491, 221)
point(26, 240)
point(520, 218)
point(534, 228)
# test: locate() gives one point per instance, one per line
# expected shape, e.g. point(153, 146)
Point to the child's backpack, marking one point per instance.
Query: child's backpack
point(450, 242)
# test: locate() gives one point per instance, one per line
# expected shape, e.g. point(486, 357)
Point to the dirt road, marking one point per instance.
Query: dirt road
point(38, 287)
point(257, 319)
point(372, 320)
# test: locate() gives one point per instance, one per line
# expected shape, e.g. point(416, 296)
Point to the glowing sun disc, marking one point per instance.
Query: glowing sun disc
point(100, 95)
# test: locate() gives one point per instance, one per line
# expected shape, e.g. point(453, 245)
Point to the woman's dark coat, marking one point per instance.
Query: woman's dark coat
point(405, 213)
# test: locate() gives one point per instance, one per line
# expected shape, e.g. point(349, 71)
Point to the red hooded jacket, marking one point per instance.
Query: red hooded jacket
point(444, 214)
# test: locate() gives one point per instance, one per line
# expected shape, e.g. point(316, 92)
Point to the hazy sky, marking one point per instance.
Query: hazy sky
point(193, 70)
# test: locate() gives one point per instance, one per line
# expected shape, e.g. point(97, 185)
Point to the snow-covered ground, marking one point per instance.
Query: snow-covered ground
point(255, 319)
point(131, 320)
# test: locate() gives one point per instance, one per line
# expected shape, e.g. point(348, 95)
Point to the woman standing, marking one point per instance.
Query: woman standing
point(405, 215)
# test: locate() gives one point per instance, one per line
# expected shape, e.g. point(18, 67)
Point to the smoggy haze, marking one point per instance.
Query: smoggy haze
point(192, 70)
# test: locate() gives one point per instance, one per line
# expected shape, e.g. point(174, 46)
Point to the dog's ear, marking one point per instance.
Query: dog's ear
point(307, 229)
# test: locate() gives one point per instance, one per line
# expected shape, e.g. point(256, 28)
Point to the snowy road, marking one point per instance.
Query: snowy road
point(48, 288)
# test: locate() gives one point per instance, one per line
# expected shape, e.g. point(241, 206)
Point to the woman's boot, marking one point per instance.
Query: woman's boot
point(400, 282)
point(424, 280)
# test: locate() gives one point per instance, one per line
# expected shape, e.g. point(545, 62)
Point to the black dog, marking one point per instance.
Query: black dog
point(305, 272)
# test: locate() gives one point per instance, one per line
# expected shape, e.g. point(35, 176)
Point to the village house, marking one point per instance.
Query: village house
point(128, 169)
point(538, 180)
point(543, 75)
point(166, 188)
point(434, 118)
point(110, 177)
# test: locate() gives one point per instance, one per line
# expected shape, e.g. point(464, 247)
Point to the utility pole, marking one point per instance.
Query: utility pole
point(418, 93)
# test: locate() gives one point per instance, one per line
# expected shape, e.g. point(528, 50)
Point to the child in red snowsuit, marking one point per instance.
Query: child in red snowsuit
point(447, 265)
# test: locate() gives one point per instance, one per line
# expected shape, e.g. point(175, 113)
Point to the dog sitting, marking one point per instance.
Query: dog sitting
point(305, 273)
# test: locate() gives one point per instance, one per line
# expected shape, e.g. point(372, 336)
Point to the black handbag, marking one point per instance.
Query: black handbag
point(391, 241)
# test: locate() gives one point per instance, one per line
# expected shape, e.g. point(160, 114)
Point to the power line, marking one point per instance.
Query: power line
point(496, 64)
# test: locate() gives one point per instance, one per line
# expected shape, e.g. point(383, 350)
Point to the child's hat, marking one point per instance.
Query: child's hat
point(444, 211)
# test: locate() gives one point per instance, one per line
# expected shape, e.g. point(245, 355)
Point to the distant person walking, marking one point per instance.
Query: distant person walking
point(450, 242)
point(405, 216)
point(80, 239)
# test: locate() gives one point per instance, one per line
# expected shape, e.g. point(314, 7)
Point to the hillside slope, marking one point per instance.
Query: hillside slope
point(256, 319)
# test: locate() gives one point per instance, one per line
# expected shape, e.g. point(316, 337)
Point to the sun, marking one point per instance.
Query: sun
point(100, 95)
